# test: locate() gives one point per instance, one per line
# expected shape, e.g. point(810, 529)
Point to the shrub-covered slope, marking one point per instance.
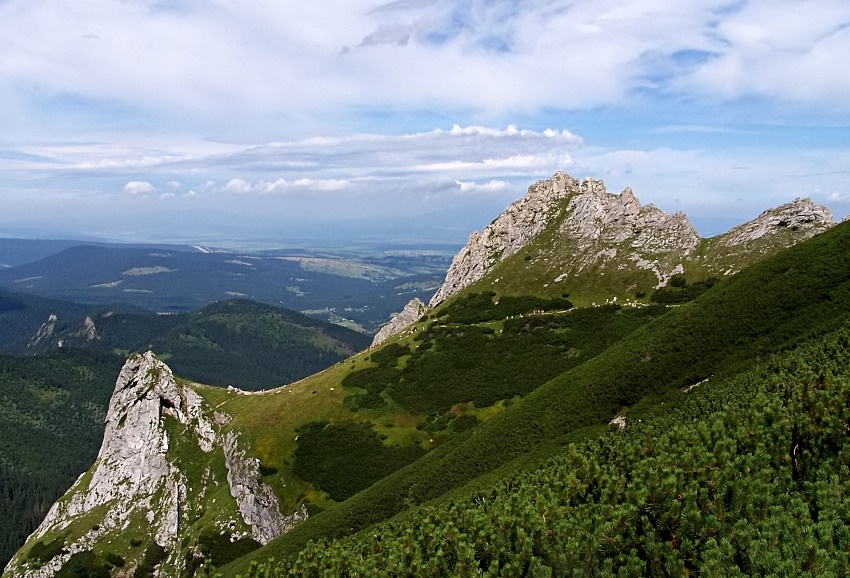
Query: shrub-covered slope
point(490, 385)
point(743, 476)
point(772, 306)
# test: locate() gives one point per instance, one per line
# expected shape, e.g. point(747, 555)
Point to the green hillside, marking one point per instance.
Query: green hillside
point(745, 476)
point(770, 308)
point(52, 404)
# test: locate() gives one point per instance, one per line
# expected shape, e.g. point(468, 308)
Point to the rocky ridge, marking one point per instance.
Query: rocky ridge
point(591, 232)
point(136, 480)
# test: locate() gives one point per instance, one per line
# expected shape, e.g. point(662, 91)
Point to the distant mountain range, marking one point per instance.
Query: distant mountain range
point(344, 287)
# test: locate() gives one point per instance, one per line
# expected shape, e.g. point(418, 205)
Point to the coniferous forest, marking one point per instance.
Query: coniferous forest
point(51, 423)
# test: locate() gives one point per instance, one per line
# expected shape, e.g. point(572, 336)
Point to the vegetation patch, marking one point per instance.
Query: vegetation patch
point(43, 552)
point(154, 555)
point(475, 362)
point(221, 548)
point(83, 565)
point(343, 459)
point(678, 290)
point(478, 307)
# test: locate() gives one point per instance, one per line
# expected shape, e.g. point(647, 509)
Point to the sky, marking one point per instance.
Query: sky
point(273, 122)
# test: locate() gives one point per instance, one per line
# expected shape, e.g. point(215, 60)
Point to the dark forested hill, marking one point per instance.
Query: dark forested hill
point(237, 342)
point(52, 404)
point(51, 422)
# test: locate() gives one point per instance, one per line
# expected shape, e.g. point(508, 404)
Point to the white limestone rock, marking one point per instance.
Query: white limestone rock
point(801, 216)
point(600, 225)
point(257, 502)
point(409, 315)
point(523, 220)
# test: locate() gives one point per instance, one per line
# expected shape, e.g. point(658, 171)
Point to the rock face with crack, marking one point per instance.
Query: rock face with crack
point(159, 468)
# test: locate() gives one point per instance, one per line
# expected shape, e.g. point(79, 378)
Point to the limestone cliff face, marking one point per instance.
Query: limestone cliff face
point(523, 220)
point(140, 481)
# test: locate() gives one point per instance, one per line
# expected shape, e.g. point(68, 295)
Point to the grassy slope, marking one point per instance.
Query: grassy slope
point(53, 404)
point(272, 421)
point(770, 306)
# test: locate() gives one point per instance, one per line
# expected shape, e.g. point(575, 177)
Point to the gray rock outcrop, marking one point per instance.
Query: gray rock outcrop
point(410, 314)
point(523, 220)
point(257, 502)
point(801, 216)
point(599, 224)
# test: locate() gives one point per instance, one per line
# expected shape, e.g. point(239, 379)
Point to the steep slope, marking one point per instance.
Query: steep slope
point(51, 423)
point(491, 382)
point(569, 232)
point(588, 228)
point(738, 477)
point(54, 402)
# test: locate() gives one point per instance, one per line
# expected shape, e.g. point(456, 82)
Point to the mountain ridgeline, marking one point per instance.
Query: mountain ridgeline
point(243, 343)
point(567, 236)
point(595, 390)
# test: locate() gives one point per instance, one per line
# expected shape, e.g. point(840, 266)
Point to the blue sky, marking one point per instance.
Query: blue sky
point(269, 122)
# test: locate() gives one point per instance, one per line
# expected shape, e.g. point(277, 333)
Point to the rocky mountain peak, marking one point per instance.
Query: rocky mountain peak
point(801, 216)
point(411, 313)
point(138, 476)
point(523, 220)
point(598, 221)
point(593, 234)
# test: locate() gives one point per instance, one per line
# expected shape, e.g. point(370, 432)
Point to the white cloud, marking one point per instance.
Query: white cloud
point(494, 185)
point(139, 188)
point(241, 186)
point(241, 65)
point(514, 162)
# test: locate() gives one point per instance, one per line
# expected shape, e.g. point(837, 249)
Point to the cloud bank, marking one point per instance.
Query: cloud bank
point(207, 112)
